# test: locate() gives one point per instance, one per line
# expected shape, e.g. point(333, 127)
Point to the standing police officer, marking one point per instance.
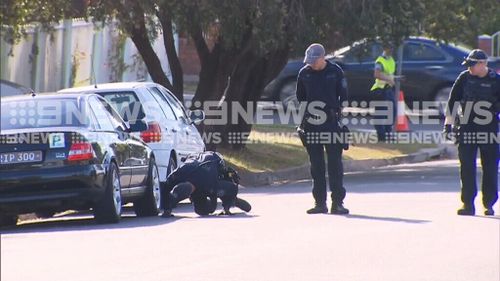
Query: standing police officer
point(323, 82)
point(477, 92)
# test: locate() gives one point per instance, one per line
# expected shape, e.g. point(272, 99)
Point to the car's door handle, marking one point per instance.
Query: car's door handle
point(434, 67)
point(174, 130)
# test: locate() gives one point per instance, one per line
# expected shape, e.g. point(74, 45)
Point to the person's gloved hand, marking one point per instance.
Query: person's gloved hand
point(447, 130)
point(339, 112)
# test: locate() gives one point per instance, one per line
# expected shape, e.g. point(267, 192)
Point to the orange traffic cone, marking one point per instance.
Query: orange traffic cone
point(402, 119)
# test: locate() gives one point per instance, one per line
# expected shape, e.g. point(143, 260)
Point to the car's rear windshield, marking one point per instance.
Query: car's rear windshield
point(41, 113)
point(120, 100)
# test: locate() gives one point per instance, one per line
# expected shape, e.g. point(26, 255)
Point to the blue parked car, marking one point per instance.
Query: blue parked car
point(429, 70)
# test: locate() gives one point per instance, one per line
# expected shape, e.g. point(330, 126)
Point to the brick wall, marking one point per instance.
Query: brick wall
point(188, 56)
point(484, 43)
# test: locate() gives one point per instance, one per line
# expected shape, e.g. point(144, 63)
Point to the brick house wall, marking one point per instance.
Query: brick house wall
point(188, 56)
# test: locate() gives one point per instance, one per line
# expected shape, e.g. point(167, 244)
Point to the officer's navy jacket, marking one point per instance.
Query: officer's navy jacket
point(327, 86)
point(469, 90)
point(202, 170)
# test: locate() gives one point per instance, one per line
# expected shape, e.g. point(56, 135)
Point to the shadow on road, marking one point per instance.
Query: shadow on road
point(235, 215)
point(389, 219)
point(84, 221)
point(489, 217)
point(81, 222)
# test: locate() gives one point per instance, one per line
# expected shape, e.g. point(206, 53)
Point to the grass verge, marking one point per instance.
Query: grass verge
point(272, 148)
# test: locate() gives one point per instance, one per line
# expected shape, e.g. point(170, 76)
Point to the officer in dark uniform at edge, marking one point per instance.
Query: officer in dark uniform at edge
point(323, 81)
point(477, 85)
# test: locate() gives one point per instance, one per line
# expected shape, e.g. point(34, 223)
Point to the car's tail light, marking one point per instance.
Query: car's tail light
point(153, 133)
point(81, 151)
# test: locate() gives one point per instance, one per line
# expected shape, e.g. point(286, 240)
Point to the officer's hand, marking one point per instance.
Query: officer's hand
point(391, 82)
point(447, 131)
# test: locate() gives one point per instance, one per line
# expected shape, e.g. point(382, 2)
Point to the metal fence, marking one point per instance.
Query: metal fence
point(75, 53)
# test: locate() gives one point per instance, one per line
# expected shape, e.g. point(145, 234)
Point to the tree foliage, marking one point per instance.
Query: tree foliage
point(16, 15)
point(461, 20)
point(243, 44)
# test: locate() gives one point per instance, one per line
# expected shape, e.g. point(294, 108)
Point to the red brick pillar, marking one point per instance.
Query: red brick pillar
point(484, 43)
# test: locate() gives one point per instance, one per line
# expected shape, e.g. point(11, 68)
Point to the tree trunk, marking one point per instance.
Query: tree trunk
point(139, 36)
point(248, 80)
point(173, 58)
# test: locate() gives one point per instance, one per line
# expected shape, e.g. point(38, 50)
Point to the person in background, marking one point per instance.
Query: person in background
point(383, 90)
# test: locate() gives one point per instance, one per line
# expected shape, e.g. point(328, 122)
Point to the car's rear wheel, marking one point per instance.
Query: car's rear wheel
point(172, 164)
point(149, 204)
point(109, 208)
point(8, 220)
point(441, 100)
point(287, 95)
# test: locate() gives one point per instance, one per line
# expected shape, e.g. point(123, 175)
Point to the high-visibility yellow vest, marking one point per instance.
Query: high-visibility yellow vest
point(388, 68)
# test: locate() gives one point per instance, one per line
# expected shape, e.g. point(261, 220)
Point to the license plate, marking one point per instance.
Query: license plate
point(20, 157)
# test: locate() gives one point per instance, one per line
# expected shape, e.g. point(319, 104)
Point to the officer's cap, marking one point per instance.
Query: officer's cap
point(474, 57)
point(313, 53)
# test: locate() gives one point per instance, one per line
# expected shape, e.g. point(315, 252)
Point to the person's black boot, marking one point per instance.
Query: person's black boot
point(339, 209)
point(170, 204)
point(243, 205)
point(466, 210)
point(489, 211)
point(167, 213)
point(318, 209)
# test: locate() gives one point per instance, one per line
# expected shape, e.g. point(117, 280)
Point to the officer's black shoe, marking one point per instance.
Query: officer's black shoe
point(243, 205)
point(489, 212)
point(466, 210)
point(318, 209)
point(339, 209)
point(167, 213)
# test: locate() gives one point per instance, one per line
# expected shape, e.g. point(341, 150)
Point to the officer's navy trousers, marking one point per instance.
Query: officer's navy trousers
point(467, 154)
point(335, 171)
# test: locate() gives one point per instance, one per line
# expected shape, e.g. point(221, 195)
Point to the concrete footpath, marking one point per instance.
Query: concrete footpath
point(302, 172)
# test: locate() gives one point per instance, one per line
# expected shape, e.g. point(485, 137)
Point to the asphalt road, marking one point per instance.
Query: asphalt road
point(402, 227)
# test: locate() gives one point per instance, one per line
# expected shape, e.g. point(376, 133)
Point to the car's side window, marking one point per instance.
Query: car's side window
point(165, 106)
point(422, 52)
point(102, 116)
point(363, 53)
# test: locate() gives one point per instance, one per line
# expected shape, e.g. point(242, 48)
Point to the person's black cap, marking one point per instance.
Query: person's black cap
point(474, 57)
point(387, 45)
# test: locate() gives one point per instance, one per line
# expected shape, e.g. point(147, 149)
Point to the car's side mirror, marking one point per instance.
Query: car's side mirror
point(138, 125)
point(197, 116)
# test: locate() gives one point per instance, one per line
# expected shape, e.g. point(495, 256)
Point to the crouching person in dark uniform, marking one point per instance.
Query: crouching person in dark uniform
point(477, 92)
point(322, 83)
point(203, 178)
